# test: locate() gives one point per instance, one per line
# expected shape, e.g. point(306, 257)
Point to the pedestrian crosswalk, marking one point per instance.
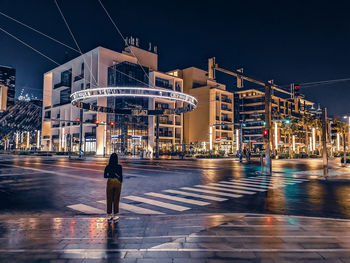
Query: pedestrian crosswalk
point(189, 197)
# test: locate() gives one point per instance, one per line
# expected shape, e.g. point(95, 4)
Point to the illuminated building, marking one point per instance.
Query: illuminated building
point(250, 110)
point(8, 79)
point(3, 98)
point(103, 68)
point(215, 109)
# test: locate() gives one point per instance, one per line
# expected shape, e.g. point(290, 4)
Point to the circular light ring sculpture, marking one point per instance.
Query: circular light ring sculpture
point(78, 99)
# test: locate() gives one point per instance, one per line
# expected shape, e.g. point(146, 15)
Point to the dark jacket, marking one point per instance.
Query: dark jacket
point(114, 172)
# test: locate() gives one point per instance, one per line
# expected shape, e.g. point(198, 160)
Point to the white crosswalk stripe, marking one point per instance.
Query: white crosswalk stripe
point(284, 178)
point(247, 184)
point(224, 189)
point(178, 199)
point(86, 209)
point(210, 192)
point(135, 209)
point(207, 197)
point(216, 191)
point(269, 181)
point(239, 187)
point(157, 203)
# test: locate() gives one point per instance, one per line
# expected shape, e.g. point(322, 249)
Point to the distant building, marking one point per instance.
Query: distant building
point(250, 112)
point(3, 98)
point(8, 79)
point(215, 109)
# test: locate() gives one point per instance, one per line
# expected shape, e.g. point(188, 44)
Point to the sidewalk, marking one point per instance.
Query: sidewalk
point(177, 238)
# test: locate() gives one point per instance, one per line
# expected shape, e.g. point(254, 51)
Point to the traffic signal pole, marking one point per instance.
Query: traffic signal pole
point(81, 132)
point(268, 163)
point(324, 143)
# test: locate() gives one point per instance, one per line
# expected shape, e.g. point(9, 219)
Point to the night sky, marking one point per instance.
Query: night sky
point(288, 41)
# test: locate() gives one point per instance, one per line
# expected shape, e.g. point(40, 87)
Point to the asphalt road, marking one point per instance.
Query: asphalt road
point(59, 186)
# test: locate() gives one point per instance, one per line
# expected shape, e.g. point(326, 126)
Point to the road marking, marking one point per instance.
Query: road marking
point(210, 192)
point(285, 179)
point(239, 187)
point(259, 183)
point(179, 199)
point(268, 181)
point(58, 173)
point(135, 209)
point(86, 209)
point(157, 203)
point(219, 199)
point(225, 189)
point(246, 184)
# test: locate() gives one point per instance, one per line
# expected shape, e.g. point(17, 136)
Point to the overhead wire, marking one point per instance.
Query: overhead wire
point(75, 41)
point(121, 35)
point(39, 32)
point(24, 43)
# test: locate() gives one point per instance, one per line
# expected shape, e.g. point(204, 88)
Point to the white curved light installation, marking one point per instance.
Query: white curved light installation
point(142, 92)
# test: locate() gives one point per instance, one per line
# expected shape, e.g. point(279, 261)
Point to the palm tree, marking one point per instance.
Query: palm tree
point(306, 122)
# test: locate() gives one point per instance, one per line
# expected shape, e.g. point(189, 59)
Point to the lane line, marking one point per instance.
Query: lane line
point(59, 173)
point(135, 209)
point(239, 187)
point(179, 199)
point(86, 209)
point(157, 203)
point(210, 192)
point(213, 198)
point(225, 189)
point(246, 184)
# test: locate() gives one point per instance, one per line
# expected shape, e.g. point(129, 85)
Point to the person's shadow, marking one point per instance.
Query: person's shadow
point(113, 243)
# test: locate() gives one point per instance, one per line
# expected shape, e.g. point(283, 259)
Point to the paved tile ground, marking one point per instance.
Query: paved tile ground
point(174, 238)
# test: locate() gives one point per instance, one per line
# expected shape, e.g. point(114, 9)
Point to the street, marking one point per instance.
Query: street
point(60, 186)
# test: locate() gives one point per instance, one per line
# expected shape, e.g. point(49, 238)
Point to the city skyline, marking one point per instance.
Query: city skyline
point(295, 46)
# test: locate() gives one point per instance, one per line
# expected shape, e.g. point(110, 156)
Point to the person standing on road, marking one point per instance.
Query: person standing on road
point(114, 173)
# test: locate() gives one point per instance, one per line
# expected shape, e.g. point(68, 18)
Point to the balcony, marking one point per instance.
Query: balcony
point(227, 119)
point(79, 77)
point(165, 122)
point(227, 100)
point(225, 108)
point(165, 134)
point(61, 84)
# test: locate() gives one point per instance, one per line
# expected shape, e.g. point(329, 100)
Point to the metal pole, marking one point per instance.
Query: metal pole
point(344, 150)
point(81, 133)
point(268, 162)
point(157, 137)
point(324, 143)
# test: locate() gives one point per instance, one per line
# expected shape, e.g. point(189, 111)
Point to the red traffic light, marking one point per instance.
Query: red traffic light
point(296, 86)
point(78, 120)
point(112, 123)
point(97, 122)
point(265, 132)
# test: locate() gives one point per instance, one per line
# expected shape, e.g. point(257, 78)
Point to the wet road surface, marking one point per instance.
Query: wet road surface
point(63, 187)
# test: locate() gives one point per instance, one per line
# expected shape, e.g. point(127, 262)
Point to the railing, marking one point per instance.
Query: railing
point(226, 109)
point(227, 119)
point(227, 100)
point(79, 77)
point(165, 122)
point(178, 123)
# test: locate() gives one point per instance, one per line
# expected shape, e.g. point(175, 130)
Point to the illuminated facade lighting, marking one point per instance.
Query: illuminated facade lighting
point(338, 142)
point(276, 136)
point(211, 138)
point(313, 139)
point(293, 143)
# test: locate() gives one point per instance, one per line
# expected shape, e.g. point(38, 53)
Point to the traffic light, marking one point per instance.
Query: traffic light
point(266, 134)
point(287, 122)
point(97, 123)
point(78, 120)
point(112, 123)
point(334, 131)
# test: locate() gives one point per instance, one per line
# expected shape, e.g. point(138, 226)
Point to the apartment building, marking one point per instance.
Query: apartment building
point(211, 124)
point(103, 67)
